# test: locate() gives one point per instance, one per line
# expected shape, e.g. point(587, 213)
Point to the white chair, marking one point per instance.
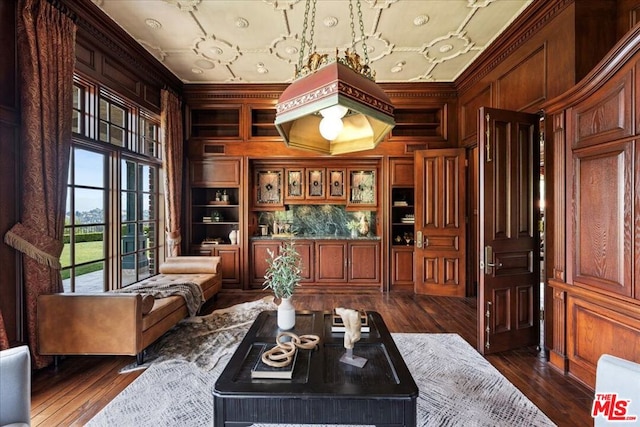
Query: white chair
point(617, 381)
point(15, 387)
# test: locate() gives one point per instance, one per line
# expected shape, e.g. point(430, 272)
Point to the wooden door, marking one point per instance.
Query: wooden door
point(509, 169)
point(440, 230)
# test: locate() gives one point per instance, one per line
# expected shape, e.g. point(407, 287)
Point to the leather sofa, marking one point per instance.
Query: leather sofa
point(111, 323)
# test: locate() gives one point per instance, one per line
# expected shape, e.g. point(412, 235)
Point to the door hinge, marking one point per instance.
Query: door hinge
point(541, 314)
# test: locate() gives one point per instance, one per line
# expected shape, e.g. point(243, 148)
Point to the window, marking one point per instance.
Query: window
point(138, 185)
point(112, 221)
point(84, 255)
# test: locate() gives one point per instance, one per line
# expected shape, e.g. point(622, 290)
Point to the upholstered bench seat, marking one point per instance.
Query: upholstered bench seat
point(122, 323)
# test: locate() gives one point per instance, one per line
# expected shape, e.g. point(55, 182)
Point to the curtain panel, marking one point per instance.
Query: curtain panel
point(171, 126)
point(46, 55)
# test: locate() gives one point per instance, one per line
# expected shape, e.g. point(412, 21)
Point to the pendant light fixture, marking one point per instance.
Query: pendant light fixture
point(333, 106)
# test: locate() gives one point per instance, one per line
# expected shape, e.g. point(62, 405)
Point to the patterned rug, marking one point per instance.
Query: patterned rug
point(458, 387)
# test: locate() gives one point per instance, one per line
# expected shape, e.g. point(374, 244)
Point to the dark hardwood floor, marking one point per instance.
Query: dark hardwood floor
point(80, 387)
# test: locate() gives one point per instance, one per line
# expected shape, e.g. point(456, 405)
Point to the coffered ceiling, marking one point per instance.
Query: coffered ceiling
point(258, 41)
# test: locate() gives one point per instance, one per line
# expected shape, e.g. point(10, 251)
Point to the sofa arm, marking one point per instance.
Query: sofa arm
point(190, 265)
point(103, 323)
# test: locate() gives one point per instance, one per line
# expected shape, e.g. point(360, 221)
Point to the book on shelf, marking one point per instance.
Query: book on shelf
point(262, 370)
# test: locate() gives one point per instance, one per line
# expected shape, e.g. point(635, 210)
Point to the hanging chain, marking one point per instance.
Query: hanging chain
point(353, 27)
point(312, 46)
point(303, 40)
point(364, 43)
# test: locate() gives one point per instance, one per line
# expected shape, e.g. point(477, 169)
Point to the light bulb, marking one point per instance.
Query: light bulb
point(334, 111)
point(330, 127)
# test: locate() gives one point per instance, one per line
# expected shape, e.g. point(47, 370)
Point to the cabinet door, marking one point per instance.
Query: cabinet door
point(364, 262)
point(331, 262)
point(295, 184)
point(363, 188)
point(402, 266)
point(336, 184)
point(230, 264)
point(315, 183)
point(268, 188)
point(259, 256)
point(306, 251)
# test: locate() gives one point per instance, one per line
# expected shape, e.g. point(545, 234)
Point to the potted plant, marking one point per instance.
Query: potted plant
point(282, 276)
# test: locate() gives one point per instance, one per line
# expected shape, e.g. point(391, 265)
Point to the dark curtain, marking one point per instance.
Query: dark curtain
point(171, 125)
point(46, 55)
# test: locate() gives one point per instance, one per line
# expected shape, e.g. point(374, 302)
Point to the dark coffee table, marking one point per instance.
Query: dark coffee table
point(323, 390)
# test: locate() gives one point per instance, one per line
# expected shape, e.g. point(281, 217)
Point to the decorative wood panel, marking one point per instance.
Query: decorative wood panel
point(306, 249)
point(218, 172)
point(527, 79)
point(605, 117)
point(401, 171)
point(402, 266)
point(364, 262)
point(594, 328)
point(331, 262)
point(602, 217)
point(469, 115)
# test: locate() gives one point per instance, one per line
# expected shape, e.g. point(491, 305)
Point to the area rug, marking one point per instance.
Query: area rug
point(458, 387)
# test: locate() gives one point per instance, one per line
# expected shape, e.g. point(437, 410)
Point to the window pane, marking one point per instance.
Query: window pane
point(89, 244)
point(146, 211)
point(75, 121)
point(104, 110)
point(90, 278)
point(89, 206)
point(65, 257)
point(117, 116)
point(104, 133)
point(128, 206)
point(150, 232)
point(89, 168)
point(77, 97)
point(128, 175)
point(145, 269)
point(147, 177)
point(117, 136)
point(128, 238)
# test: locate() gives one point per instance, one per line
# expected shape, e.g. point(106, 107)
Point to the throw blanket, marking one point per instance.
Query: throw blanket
point(191, 292)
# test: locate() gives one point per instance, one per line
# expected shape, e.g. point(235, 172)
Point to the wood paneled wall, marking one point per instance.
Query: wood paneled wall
point(595, 274)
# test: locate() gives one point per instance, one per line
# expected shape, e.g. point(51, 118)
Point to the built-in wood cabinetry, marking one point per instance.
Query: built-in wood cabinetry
point(353, 262)
point(324, 262)
point(595, 280)
point(402, 215)
point(215, 200)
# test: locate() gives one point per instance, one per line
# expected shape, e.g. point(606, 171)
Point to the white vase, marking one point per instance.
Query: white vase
point(233, 237)
point(286, 314)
